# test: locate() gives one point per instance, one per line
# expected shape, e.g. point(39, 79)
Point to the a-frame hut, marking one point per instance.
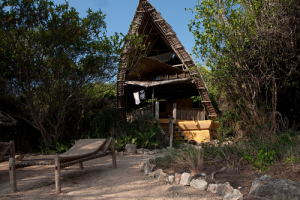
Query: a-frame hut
point(164, 71)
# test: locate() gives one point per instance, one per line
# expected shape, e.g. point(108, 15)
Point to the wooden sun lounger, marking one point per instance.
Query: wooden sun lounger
point(83, 150)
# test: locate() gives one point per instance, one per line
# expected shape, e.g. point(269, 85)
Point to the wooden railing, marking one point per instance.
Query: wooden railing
point(175, 76)
point(190, 113)
point(139, 113)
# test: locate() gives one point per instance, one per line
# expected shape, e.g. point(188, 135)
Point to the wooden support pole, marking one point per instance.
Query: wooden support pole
point(81, 166)
point(12, 174)
point(57, 174)
point(157, 110)
point(12, 148)
point(12, 167)
point(171, 132)
point(152, 100)
point(174, 112)
point(113, 154)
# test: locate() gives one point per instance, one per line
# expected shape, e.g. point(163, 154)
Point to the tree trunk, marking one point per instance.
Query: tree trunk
point(46, 137)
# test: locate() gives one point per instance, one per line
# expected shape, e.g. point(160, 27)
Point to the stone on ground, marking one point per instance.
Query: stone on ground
point(272, 189)
point(130, 149)
point(199, 184)
point(163, 176)
point(155, 174)
point(169, 148)
point(236, 195)
point(171, 179)
point(177, 178)
point(220, 189)
point(142, 165)
point(185, 179)
point(147, 166)
point(140, 151)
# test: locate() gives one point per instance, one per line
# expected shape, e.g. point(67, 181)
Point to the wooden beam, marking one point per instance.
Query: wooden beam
point(157, 110)
point(113, 154)
point(171, 132)
point(201, 88)
point(12, 167)
point(12, 148)
point(12, 174)
point(174, 112)
point(177, 65)
point(152, 101)
point(57, 175)
point(81, 166)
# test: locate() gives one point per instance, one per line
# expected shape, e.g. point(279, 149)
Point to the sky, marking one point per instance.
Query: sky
point(119, 14)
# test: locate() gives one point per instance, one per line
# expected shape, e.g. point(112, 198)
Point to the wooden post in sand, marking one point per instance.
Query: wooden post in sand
point(157, 110)
point(113, 154)
point(80, 164)
point(57, 174)
point(12, 167)
point(171, 131)
point(12, 174)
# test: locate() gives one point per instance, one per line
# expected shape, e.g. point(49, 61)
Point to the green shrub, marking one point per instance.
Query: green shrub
point(260, 153)
point(144, 133)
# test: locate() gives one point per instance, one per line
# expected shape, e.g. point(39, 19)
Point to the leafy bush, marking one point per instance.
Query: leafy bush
point(144, 132)
point(258, 153)
point(58, 147)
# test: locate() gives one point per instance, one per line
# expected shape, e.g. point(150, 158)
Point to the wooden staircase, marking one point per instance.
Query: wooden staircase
point(203, 134)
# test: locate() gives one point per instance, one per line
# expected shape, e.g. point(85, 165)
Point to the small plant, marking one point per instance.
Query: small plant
point(119, 145)
point(57, 147)
point(262, 160)
point(43, 148)
point(292, 159)
point(60, 147)
point(146, 139)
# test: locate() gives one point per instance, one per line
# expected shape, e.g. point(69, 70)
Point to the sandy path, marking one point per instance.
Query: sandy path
point(97, 181)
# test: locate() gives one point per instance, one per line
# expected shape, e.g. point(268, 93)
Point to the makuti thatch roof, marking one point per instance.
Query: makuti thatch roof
point(164, 55)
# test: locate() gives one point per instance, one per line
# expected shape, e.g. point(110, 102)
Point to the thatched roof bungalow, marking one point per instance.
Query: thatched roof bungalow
point(165, 70)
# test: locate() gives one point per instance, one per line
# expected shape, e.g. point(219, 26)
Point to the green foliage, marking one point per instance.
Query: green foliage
point(60, 147)
point(292, 159)
point(262, 160)
point(145, 139)
point(259, 153)
point(52, 59)
point(143, 132)
point(227, 122)
point(236, 39)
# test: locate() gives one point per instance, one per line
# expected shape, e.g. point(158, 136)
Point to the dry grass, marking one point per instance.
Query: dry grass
point(189, 158)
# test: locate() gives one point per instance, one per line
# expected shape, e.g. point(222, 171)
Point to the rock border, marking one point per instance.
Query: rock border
point(226, 190)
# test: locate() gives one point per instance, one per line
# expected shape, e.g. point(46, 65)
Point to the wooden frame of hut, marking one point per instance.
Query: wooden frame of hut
point(164, 70)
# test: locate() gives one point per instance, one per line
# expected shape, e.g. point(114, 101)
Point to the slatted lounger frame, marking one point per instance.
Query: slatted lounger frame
point(59, 166)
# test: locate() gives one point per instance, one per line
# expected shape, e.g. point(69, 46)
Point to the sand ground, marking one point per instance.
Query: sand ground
point(97, 181)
